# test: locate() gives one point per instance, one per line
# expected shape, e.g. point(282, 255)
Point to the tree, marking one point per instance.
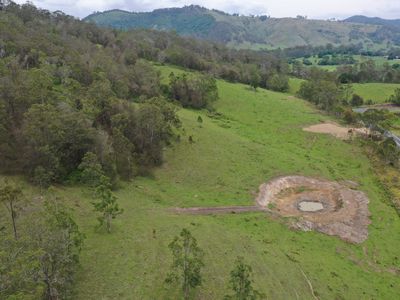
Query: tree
point(58, 242)
point(144, 80)
point(254, 78)
point(12, 196)
point(349, 116)
point(187, 262)
point(107, 205)
point(389, 151)
point(323, 93)
point(125, 160)
point(91, 170)
point(241, 283)
point(395, 98)
point(356, 100)
point(19, 268)
point(378, 120)
point(56, 139)
point(41, 264)
point(191, 90)
point(42, 178)
point(278, 82)
point(347, 91)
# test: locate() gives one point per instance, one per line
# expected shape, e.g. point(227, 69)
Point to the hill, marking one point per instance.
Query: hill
point(254, 32)
point(373, 21)
point(388, 30)
point(81, 102)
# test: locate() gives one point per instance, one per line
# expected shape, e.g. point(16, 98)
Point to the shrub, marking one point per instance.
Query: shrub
point(356, 100)
point(196, 91)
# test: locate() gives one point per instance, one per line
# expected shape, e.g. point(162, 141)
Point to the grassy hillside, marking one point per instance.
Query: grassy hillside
point(258, 136)
point(294, 85)
point(244, 31)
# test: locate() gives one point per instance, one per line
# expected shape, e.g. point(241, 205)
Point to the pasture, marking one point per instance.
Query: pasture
point(253, 137)
point(257, 136)
point(377, 92)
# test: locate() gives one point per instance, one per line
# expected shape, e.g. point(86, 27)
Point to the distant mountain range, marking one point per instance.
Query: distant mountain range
point(257, 32)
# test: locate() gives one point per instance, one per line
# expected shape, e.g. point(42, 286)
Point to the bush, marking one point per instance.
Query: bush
point(356, 100)
point(278, 82)
point(395, 99)
point(349, 116)
point(196, 91)
point(323, 93)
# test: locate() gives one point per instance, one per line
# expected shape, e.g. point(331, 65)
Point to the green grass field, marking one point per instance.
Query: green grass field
point(259, 136)
point(294, 85)
point(377, 92)
point(379, 60)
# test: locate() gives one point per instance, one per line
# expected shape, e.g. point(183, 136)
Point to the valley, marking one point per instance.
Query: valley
point(150, 164)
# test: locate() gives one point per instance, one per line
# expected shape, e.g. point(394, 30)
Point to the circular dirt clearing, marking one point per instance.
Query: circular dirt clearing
point(320, 205)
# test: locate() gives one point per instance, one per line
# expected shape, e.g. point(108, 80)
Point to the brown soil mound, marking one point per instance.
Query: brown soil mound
point(344, 211)
point(336, 130)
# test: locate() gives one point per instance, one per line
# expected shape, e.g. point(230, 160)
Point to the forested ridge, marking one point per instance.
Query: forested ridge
point(253, 31)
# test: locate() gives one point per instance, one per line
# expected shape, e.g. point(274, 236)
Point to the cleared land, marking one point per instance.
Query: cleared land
point(256, 137)
point(336, 130)
point(377, 92)
point(318, 204)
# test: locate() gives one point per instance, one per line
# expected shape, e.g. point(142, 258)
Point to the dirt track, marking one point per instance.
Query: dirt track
point(344, 210)
point(217, 210)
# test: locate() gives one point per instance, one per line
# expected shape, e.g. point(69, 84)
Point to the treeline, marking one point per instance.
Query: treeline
point(359, 72)
point(329, 49)
point(334, 60)
point(211, 58)
point(369, 71)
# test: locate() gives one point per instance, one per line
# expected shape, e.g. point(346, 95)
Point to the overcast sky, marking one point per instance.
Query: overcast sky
point(319, 9)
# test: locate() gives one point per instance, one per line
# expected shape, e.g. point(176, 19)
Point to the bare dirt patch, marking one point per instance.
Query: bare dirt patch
point(336, 130)
point(342, 211)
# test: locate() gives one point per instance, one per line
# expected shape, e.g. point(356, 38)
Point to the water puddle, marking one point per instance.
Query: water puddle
point(310, 206)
